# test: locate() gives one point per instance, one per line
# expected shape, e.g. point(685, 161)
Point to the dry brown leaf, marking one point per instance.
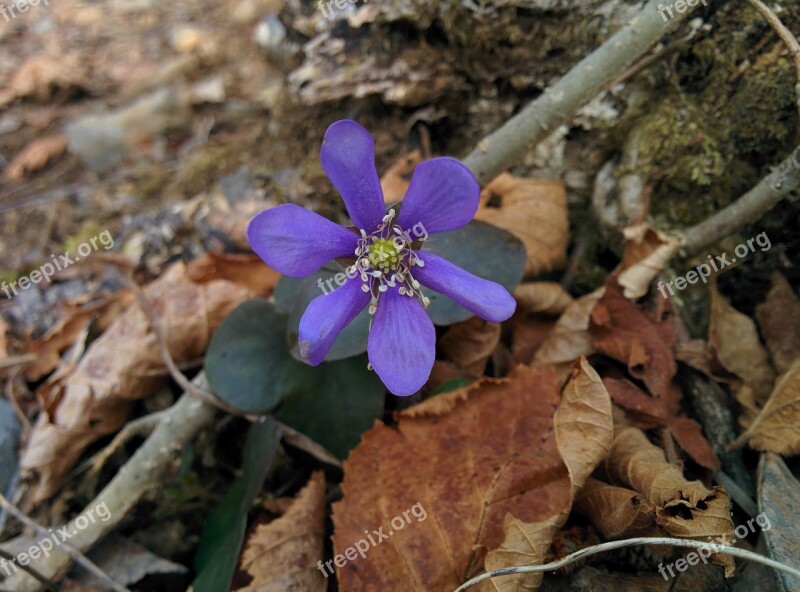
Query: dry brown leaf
point(777, 427)
point(543, 297)
point(396, 180)
point(533, 210)
point(647, 252)
point(36, 156)
point(41, 75)
point(117, 369)
point(733, 338)
point(685, 509)
point(469, 457)
point(689, 435)
point(617, 512)
point(630, 335)
point(283, 554)
point(470, 344)
point(64, 334)
point(584, 430)
point(697, 353)
point(248, 271)
point(779, 320)
point(528, 333)
point(570, 339)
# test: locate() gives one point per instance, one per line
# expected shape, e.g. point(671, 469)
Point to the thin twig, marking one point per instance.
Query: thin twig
point(786, 36)
point(17, 361)
point(610, 546)
point(76, 555)
point(748, 208)
point(558, 104)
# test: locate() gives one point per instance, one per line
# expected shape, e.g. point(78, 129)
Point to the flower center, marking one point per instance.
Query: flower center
point(384, 259)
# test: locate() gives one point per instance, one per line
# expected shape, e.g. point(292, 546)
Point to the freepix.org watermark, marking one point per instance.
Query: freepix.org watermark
point(681, 6)
point(45, 545)
point(706, 551)
point(363, 545)
point(9, 11)
point(715, 263)
point(46, 271)
point(326, 7)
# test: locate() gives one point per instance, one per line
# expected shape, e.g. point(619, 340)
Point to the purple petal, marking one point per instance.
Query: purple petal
point(348, 158)
point(326, 316)
point(443, 195)
point(402, 343)
point(298, 242)
point(488, 300)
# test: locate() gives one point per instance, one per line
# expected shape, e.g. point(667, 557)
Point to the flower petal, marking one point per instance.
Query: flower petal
point(443, 195)
point(348, 158)
point(488, 300)
point(326, 316)
point(298, 242)
point(402, 343)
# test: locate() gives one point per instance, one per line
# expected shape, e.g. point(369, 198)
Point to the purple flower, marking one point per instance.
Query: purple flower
point(389, 267)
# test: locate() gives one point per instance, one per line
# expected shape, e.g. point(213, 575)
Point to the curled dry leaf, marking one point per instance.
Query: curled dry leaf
point(543, 297)
point(468, 457)
point(616, 511)
point(647, 252)
point(533, 210)
point(36, 156)
point(283, 554)
point(733, 338)
point(470, 344)
point(779, 320)
point(684, 509)
point(117, 369)
point(584, 430)
point(570, 339)
point(777, 427)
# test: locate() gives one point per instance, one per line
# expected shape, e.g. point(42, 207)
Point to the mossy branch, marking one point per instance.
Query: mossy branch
point(503, 147)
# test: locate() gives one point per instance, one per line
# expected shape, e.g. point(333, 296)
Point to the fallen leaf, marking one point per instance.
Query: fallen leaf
point(616, 511)
point(396, 180)
point(684, 509)
point(734, 341)
point(36, 156)
point(488, 450)
point(779, 320)
point(647, 251)
point(628, 334)
point(535, 211)
point(543, 297)
point(469, 344)
point(689, 435)
point(247, 270)
point(528, 333)
point(283, 554)
point(74, 321)
point(777, 426)
point(41, 75)
point(584, 430)
point(117, 369)
point(570, 339)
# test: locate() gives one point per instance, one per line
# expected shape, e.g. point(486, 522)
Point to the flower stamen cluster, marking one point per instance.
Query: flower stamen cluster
point(384, 260)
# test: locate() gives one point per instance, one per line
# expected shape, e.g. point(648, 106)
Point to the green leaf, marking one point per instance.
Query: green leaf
point(483, 250)
point(451, 385)
point(248, 362)
point(224, 531)
point(341, 404)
